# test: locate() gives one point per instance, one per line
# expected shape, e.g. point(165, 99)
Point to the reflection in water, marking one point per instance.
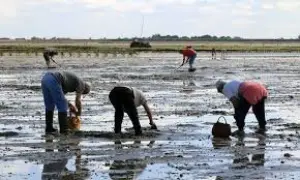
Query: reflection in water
point(221, 142)
point(188, 86)
point(57, 168)
point(129, 168)
point(245, 157)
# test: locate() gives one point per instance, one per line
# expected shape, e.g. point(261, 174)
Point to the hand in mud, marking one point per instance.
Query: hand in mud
point(72, 108)
point(153, 126)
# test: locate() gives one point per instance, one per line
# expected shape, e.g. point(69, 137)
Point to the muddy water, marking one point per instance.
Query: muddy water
point(185, 105)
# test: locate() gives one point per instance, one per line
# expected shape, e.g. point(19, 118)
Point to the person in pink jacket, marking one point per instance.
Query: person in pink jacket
point(244, 95)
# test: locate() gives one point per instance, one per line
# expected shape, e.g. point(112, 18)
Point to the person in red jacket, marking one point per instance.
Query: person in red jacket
point(244, 95)
point(189, 55)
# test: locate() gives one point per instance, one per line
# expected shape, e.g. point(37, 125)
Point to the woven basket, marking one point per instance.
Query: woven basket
point(222, 130)
point(74, 123)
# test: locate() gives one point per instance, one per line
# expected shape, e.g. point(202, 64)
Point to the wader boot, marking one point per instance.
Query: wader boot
point(137, 128)
point(63, 123)
point(49, 123)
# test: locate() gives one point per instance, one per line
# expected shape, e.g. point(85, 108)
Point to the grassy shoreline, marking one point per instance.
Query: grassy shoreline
point(122, 47)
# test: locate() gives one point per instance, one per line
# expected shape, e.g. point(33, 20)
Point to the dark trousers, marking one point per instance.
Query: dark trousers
point(243, 108)
point(122, 99)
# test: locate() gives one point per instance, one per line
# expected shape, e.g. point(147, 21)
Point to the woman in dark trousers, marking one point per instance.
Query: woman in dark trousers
point(127, 99)
point(244, 95)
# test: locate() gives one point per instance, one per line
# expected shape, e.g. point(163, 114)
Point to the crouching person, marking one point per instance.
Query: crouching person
point(54, 86)
point(128, 99)
point(244, 95)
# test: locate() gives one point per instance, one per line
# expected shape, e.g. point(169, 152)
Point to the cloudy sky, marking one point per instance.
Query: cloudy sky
point(124, 18)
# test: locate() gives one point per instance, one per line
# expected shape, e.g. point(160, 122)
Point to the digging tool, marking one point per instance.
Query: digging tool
point(181, 65)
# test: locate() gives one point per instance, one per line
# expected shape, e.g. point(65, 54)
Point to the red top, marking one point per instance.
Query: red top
point(188, 52)
point(253, 92)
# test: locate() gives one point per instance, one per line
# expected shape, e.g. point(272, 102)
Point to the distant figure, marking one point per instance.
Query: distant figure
point(54, 87)
point(127, 99)
point(189, 55)
point(48, 55)
point(213, 54)
point(244, 95)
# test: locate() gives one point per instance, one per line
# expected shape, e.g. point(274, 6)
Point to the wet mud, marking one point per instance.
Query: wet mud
point(185, 106)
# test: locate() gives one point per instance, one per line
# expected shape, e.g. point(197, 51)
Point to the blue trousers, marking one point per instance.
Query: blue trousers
point(192, 59)
point(53, 94)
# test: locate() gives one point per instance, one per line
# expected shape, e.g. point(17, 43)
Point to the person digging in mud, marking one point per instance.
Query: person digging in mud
point(128, 99)
point(243, 95)
point(54, 86)
point(189, 55)
point(48, 55)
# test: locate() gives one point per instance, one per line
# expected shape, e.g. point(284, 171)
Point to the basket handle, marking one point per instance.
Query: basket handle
point(223, 118)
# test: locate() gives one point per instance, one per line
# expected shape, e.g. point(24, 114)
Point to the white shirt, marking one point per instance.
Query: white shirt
point(231, 89)
point(139, 97)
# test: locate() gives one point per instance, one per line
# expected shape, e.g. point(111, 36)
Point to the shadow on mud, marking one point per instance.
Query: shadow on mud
point(129, 134)
point(21, 87)
point(58, 168)
point(8, 134)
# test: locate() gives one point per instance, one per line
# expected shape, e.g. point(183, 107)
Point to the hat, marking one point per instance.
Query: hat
point(87, 88)
point(220, 85)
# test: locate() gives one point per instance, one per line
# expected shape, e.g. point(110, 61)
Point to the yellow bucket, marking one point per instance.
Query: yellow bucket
point(74, 123)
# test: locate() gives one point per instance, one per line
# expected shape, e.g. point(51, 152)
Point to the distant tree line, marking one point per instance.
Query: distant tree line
point(155, 37)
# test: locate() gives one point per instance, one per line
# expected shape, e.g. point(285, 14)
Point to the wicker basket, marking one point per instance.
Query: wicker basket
point(74, 123)
point(73, 120)
point(222, 130)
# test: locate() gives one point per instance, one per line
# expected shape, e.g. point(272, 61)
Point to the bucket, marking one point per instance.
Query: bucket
point(74, 123)
point(73, 120)
point(222, 130)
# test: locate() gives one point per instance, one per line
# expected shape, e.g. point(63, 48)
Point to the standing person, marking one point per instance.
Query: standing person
point(189, 55)
point(48, 55)
point(243, 95)
point(128, 99)
point(213, 54)
point(54, 86)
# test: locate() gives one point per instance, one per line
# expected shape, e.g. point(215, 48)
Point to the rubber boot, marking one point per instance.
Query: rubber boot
point(137, 128)
point(49, 122)
point(138, 131)
point(63, 122)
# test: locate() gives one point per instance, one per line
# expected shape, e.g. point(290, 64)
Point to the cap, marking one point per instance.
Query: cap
point(220, 85)
point(87, 88)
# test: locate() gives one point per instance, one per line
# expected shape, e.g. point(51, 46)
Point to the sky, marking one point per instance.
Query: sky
point(136, 18)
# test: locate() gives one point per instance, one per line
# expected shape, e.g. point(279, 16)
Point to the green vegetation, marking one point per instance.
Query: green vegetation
point(123, 47)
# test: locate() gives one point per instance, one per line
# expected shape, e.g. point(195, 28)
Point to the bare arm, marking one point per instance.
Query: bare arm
point(183, 60)
point(78, 103)
point(149, 114)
